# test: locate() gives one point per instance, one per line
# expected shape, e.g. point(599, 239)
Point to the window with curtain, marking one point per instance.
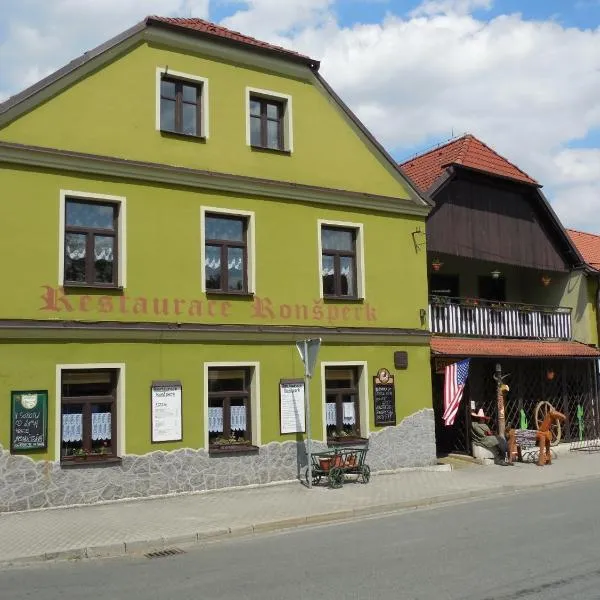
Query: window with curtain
point(342, 405)
point(225, 253)
point(338, 262)
point(88, 414)
point(91, 243)
point(229, 409)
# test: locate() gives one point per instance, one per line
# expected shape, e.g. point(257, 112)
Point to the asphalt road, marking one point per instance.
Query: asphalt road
point(524, 546)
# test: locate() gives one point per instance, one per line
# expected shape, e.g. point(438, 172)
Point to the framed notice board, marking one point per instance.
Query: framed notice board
point(384, 398)
point(29, 420)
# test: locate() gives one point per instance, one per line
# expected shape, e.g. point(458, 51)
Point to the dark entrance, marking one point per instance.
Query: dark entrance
point(492, 288)
point(443, 285)
point(568, 384)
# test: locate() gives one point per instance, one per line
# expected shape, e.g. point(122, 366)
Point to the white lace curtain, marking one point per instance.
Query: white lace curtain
point(346, 271)
point(237, 418)
point(72, 427)
point(235, 264)
point(78, 252)
point(348, 413)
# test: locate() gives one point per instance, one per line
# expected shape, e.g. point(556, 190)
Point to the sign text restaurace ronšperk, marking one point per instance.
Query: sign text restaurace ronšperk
point(55, 300)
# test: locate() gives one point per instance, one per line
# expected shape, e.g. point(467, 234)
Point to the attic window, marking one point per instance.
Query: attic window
point(268, 120)
point(182, 105)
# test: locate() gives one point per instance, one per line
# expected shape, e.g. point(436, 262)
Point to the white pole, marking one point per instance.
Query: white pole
point(307, 413)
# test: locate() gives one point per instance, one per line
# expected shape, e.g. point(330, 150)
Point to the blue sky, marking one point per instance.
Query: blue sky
point(522, 75)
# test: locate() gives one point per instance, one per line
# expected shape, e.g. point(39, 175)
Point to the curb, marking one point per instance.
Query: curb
point(140, 547)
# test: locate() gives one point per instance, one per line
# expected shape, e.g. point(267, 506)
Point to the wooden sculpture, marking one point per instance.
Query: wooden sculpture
point(542, 436)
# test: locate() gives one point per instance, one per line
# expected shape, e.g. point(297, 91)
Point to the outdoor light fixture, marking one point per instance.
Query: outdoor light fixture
point(436, 264)
point(546, 280)
point(550, 374)
point(496, 274)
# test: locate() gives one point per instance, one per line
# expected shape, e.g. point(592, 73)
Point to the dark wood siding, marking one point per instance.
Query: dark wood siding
point(500, 223)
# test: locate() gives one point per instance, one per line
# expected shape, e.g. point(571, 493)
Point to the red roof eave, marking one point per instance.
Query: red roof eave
point(499, 348)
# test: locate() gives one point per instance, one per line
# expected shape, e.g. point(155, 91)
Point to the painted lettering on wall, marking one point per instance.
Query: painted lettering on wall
point(55, 300)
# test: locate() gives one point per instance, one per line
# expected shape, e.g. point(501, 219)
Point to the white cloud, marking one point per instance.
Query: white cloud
point(429, 8)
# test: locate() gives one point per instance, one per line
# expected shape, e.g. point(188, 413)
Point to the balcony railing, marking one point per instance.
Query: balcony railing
point(481, 318)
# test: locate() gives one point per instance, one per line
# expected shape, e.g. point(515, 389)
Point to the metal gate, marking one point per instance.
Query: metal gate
point(569, 385)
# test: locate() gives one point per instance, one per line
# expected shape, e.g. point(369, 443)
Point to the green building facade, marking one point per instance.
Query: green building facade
point(180, 208)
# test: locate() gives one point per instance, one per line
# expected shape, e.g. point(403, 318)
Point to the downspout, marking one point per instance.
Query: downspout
point(597, 278)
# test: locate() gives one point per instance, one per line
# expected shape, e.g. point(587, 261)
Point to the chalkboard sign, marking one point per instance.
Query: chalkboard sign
point(384, 398)
point(29, 422)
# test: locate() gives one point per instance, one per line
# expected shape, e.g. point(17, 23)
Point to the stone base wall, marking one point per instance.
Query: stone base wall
point(27, 484)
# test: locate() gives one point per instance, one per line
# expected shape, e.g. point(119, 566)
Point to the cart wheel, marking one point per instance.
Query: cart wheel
point(336, 477)
point(541, 410)
point(366, 473)
point(316, 479)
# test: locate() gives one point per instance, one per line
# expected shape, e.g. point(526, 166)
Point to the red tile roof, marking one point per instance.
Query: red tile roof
point(588, 245)
point(500, 348)
point(466, 151)
point(206, 27)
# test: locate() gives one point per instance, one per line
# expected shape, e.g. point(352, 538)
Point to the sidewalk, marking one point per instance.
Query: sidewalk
point(141, 526)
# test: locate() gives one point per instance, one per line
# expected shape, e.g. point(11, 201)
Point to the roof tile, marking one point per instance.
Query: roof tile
point(477, 347)
point(466, 151)
point(588, 245)
point(218, 31)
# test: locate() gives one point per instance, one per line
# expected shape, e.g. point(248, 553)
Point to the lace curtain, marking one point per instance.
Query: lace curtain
point(237, 419)
point(78, 252)
point(348, 413)
point(235, 264)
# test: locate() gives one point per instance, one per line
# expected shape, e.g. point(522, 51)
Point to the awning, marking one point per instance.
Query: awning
point(502, 348)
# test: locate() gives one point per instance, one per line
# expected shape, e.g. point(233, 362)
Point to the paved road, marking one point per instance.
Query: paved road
point(525, 546)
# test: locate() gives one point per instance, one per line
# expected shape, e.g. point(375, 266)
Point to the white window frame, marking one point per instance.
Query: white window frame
point(120, 399)
point(193, 79)
point(254, 397)
point(288, 123)
point(360, 254)
point(122, 229)
point(250, 243)
point(363, 393)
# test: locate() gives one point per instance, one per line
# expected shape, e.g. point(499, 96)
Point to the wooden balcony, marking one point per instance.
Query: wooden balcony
point(481, 318)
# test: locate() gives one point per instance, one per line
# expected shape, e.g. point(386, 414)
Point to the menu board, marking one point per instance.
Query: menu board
point(384, 399)
point(291, 405)
point(29, 420)
point(166, 411)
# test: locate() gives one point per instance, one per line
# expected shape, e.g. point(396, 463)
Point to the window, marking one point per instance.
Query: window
point(228, 250)
point(338, 262)
point(269, 120)
point(88, 414)
point(266, 123)
point(180, 106)
point(91, 243)
point(181, 103)
point(229, 408)
point(342, 407)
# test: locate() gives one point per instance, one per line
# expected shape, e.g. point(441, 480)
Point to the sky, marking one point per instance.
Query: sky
point(522, 75)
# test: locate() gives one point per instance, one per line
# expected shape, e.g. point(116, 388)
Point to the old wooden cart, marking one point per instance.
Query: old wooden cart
point(337, 463)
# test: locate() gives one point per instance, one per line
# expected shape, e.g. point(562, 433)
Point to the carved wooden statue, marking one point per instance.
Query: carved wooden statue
point(543, 438)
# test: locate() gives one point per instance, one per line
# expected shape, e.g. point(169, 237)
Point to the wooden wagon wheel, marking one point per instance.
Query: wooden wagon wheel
point(542, 408)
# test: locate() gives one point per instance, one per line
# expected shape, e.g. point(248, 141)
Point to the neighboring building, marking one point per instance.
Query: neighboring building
point(508, 287)
point(588, 246)
point(180, 206)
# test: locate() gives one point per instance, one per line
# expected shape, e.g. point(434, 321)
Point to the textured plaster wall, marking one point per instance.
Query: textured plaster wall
point(27, 484)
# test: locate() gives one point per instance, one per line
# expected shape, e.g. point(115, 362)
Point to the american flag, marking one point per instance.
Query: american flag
point(455, 377)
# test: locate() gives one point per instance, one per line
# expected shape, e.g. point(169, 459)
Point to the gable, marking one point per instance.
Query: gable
point(111, 111)
point(475, 217)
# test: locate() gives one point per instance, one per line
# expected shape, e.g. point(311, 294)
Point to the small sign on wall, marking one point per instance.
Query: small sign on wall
point(166, 411)
point(384, 398)
point(29, 420)
point(291, 405)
